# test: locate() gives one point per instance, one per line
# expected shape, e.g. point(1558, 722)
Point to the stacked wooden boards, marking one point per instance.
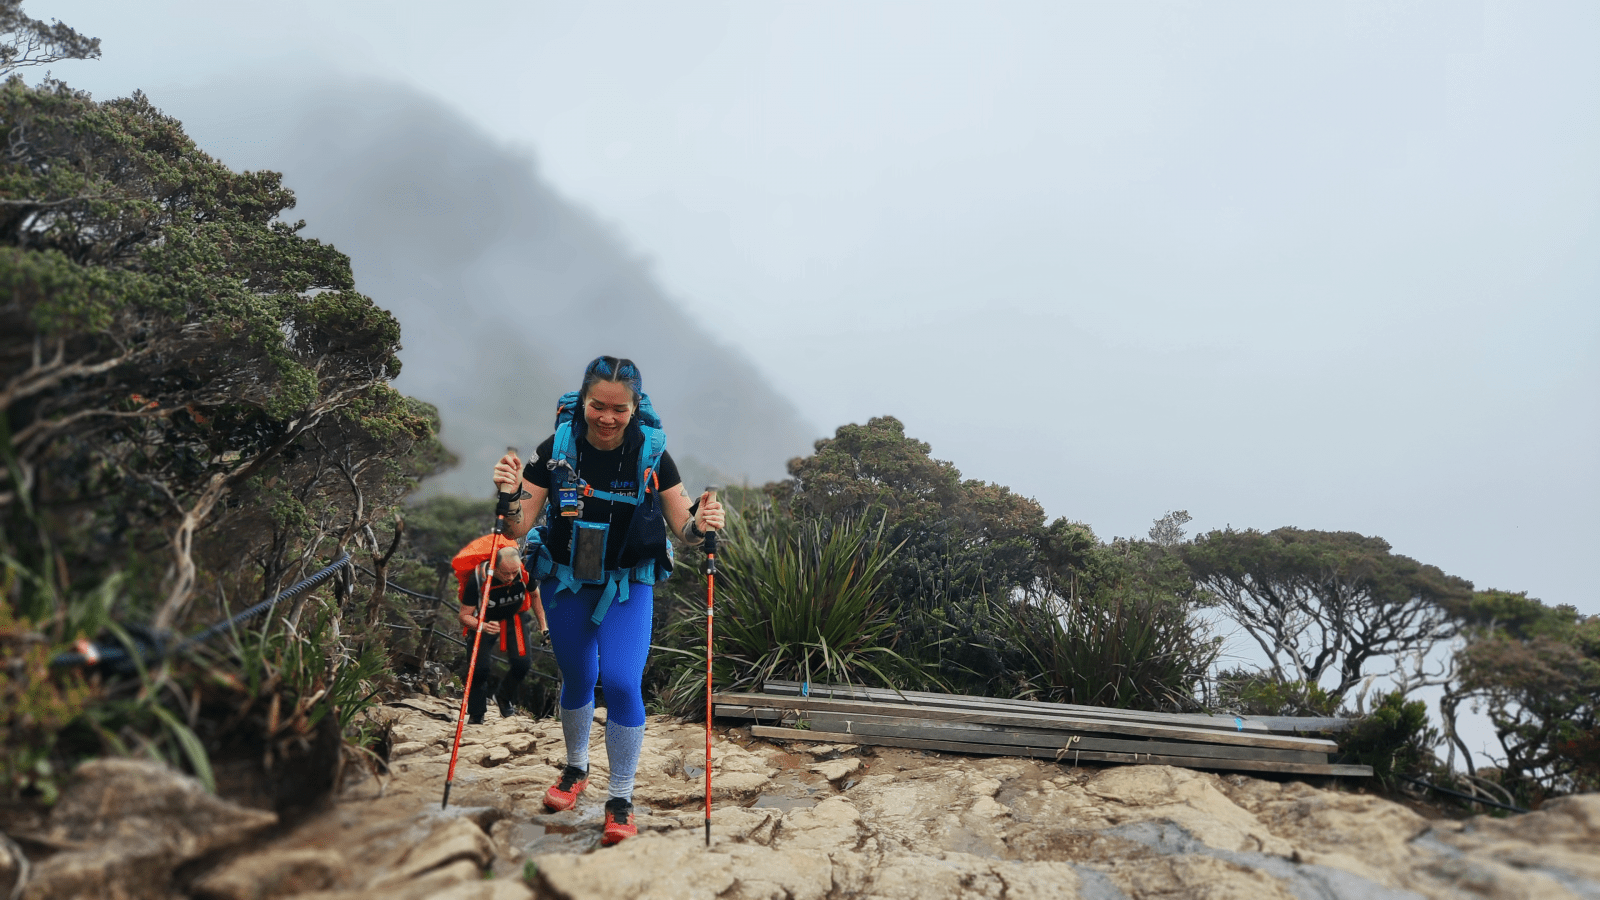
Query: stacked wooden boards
point(989, 726)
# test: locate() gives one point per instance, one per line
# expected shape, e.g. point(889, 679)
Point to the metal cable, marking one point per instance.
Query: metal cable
point(395, 587)
point(115, 654)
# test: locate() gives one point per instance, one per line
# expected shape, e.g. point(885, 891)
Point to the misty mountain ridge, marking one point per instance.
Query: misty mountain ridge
point(504, 289)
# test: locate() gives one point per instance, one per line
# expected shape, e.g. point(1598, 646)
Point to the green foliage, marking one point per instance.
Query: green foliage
point(195, 399)
point(795, 600)
point(137, 715)
point(172, 347)
point(1536, 670)
point(439, 526)
point(35, 704)
point(1260, 694)
point(958, 539)
point(26, 41)
point(1320, 602)
point(300, 675)
point(1394, 739)
point(958, 542)
point(1125, 649)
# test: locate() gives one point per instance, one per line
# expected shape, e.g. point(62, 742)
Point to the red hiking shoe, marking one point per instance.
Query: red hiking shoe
point(619, 822)
point(564, 793)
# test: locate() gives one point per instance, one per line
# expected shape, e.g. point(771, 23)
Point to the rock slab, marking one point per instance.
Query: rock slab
point(138, 821)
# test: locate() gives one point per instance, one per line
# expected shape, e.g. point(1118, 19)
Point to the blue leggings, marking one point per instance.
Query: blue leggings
point(613, 652)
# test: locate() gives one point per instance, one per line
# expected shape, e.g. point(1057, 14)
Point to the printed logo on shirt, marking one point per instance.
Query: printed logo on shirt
point(502, 596)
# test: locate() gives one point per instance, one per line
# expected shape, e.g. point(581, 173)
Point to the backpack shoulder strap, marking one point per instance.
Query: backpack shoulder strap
point(565, 444)
point(655, 444)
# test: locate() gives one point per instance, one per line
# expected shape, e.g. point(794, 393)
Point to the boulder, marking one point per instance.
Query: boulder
point(141, 820)
point(454, 841)
point(265, 876)
point(835, 769)
point(13, 865)
point(460, 880)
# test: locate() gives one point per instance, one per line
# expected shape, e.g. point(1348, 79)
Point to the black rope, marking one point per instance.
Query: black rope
point(156, 649)
point(1445, 790)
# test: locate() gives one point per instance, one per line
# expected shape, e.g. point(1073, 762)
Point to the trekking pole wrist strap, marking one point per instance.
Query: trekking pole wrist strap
point(503, 505)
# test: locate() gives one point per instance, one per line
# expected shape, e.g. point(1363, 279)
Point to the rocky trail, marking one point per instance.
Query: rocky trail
point(801, 823)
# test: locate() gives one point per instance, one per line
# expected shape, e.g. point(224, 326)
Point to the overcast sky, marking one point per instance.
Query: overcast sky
point(1334, 266)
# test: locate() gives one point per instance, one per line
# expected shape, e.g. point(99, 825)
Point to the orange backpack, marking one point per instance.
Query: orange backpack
point(477, 552)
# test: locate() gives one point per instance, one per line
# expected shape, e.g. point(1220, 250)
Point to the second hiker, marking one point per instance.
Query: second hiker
point(511, 599)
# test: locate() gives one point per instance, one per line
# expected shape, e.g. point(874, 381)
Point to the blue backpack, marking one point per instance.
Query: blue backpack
point(646, 555)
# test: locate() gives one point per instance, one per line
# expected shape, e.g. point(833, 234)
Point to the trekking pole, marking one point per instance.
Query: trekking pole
point(501, 510)
point(710, 547)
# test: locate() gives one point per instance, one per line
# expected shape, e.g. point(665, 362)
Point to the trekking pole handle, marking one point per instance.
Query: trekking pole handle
point(709, 543)
point(504, 499)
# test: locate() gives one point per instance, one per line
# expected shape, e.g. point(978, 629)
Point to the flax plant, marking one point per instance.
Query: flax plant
point(1126, 651)
point(800, 600)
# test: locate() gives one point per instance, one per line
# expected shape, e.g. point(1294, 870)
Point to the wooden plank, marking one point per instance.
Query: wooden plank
point(972, 733)
point(1070, 757)
point(978, 733)
point(1135, 728)
point(1277, 724)
point(1002, 704)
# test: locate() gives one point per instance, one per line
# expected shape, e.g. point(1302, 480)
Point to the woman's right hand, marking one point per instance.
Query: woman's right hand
point(508, 473)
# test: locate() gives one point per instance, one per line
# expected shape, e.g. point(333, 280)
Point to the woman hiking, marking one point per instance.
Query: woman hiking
point(610, 493)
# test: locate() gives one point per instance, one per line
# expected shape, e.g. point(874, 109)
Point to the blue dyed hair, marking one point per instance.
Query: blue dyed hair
point(614, 370)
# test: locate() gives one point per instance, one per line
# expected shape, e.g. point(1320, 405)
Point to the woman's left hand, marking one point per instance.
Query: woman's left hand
point(709, 517)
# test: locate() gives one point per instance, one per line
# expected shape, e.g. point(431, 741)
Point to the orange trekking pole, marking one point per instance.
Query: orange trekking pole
point(502, 509)
point(710, 546)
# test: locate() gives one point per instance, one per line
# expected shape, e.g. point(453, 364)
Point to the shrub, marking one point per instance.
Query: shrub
point(1394, 739)
point(1126, 650)
point(34, 705)
point(795, 600)
point(1262, 694)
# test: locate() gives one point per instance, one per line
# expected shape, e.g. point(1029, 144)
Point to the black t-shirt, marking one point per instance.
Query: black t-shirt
point(616, 471)
point(504, 599)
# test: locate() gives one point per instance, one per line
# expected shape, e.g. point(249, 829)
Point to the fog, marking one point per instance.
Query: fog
point(1332, 267)
point(504, 289)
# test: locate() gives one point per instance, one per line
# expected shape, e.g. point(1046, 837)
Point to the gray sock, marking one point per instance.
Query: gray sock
point(575, 725)
point(623, 744)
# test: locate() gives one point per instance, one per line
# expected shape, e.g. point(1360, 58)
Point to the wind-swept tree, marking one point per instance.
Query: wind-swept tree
point(1535, 669)
point(171, 348)
point(26, 41)
point(1329, 604)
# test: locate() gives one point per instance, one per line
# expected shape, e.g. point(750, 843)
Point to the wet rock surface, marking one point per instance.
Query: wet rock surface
point(809, 821)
